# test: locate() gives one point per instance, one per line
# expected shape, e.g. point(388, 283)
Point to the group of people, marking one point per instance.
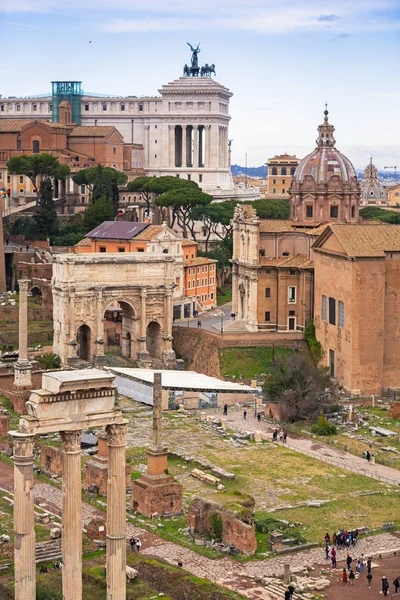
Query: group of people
point(345, 539)
point(281, 434)
point(342, 539)
point(135, 544)
point(289, 592)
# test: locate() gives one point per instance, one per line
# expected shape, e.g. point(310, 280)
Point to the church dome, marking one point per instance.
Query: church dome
point(325, 161)
point(372, 189)
point(325, 187)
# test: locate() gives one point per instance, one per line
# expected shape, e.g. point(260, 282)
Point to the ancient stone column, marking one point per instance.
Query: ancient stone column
point(116, 513)
point(157, 411)
point(24, 518)
point(71, 515)
point(195, 162)
point(143, 353)
point(184, 151)
point(23, 368)
point(3, 287)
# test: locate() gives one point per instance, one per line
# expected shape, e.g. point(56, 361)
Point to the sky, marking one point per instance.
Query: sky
point(282, 59)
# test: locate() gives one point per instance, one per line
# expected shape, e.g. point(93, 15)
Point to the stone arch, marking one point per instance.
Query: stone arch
point(153, 339)
point(84, 336)
point(36, 292)
point(120, 325)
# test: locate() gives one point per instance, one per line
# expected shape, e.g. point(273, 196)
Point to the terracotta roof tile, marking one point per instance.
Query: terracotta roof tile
point(15, 125)
point(92, 131)
point(297, 261)
point(199, 260)
point(150, 232)
point(188, 243)
point(275, 225)
point(367, 241)
point(84, 243)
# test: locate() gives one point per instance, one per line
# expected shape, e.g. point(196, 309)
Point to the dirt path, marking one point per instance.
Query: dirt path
point(318, 450)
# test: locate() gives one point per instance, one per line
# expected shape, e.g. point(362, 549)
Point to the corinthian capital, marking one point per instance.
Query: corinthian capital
point(116, 435)
point(71, 441)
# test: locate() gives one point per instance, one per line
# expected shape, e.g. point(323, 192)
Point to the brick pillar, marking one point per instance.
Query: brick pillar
point(23, 368)
point(24, 518)
point(116, 513)
point(72, 516)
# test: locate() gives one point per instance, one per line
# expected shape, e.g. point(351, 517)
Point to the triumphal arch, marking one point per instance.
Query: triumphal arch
point(141, 286)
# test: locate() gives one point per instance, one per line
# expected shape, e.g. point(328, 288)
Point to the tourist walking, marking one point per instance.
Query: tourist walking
point(327, 552)
point(287, 595)
point(132, 544)
point(244, 414)
point(334, 539)
point(362, 564)
point(327, 539)
point(396, 584)
point(385, 585)
point(369, 565)
point(275, 435)
point(199, 324)
point(225, 409)
point(344, 576)
point(138, 545)
point(351, 577)
point(259, 417)
point(369, 578)
point(349, 560)
point(284, 437)
point(333, 558)
point(368, 455)
point(291, 591)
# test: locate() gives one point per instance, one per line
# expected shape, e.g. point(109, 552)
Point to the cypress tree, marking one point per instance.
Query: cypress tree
point(46, 216)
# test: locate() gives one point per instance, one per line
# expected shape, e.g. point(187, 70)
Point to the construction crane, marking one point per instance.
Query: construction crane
point(394, 168)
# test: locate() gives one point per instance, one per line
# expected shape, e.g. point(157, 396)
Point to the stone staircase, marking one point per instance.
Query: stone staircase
point(230, 326)
point(48, 551)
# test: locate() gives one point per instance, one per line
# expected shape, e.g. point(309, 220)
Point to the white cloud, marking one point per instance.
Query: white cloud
point(259, 16)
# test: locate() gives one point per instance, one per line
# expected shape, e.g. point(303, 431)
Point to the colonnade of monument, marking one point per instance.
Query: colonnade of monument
point(192, 145)
point(24, 522)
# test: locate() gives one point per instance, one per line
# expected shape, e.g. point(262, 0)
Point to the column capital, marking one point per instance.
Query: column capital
point(116, 434)
point(71, 441)
point(23, 284)
point(23, 444)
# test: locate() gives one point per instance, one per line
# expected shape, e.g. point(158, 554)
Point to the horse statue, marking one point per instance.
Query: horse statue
point(186, 71)
point(207, 70)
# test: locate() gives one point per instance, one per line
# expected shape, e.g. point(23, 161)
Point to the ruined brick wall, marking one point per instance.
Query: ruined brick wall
point(51, 459)
point(160, 495)
point(16, 396)
point(95, 472)
point(4, 424)
point(199, 348)
point(241, 533)
point(394, 412)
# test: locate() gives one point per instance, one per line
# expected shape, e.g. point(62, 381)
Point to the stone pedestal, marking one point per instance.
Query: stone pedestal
point(169, 359)
point(23, 374)
point(100, 360)
point(24, 532)
point(116, 513)
point(72, 516)
point(156, 492)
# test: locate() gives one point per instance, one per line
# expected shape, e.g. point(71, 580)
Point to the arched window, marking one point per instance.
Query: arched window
point(35, 146)
point(274, 171)
point(292, 170)
point(283, 171)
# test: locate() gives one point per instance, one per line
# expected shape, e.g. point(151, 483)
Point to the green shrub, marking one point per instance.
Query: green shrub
point(216, 523)
point(323, 427)
point(50, 361)
point(45, 594)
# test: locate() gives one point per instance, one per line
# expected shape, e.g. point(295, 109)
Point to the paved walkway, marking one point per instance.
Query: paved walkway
point(240, 577)
point(314, 448)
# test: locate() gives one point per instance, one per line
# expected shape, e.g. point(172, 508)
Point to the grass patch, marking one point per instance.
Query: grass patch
point(248, 362)
point(224, 294)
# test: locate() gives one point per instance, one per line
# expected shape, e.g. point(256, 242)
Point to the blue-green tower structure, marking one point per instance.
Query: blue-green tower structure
point(67, 90)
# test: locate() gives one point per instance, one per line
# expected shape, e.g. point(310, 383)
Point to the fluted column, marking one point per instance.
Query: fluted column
point(24, 518)
point(116, 513)
point(23, 368)
point(71, 515)
point(195, 162)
